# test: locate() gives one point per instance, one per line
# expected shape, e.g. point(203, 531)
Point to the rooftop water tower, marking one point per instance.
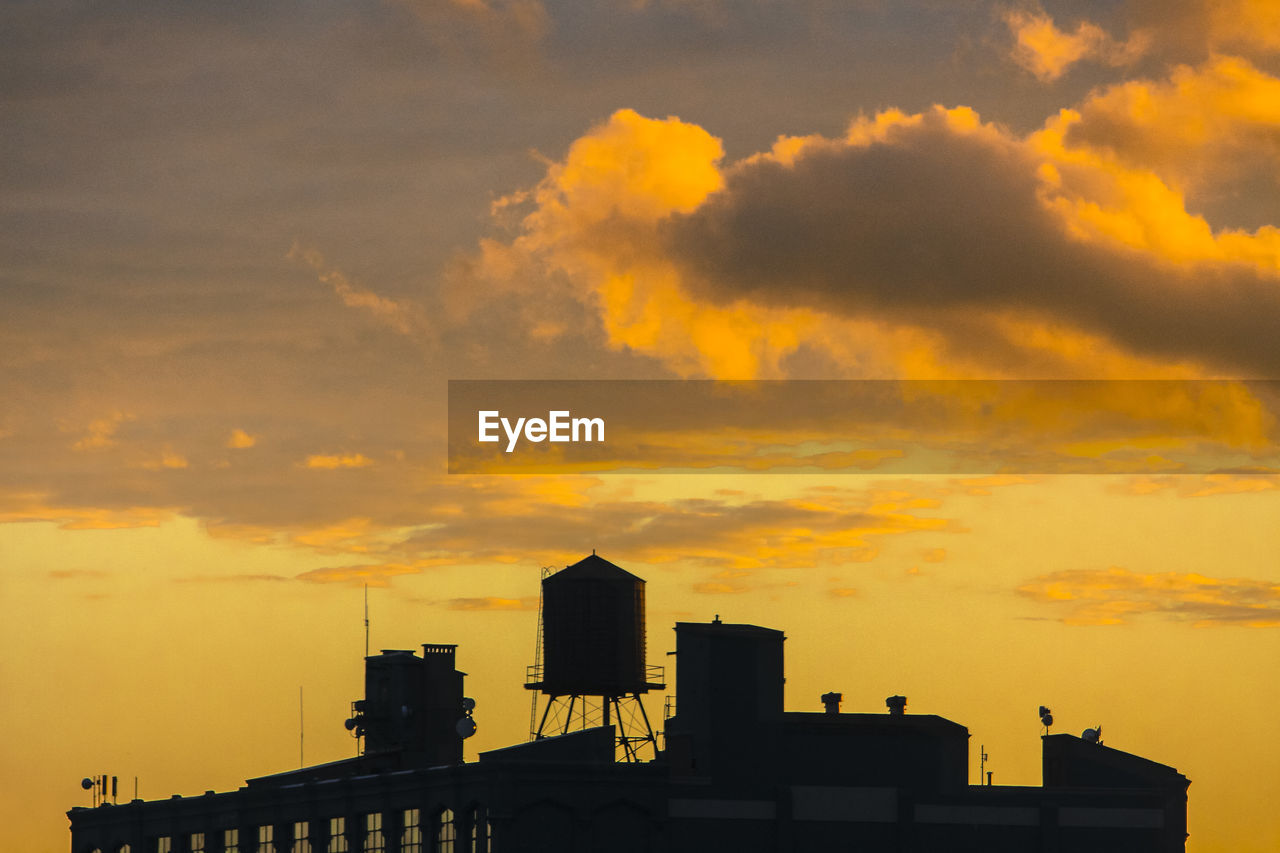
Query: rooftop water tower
point(591, 652)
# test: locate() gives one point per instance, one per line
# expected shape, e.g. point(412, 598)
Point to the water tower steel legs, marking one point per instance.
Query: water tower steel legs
point(626, 713)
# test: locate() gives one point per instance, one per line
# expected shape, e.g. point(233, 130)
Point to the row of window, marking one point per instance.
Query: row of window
point(442, 837)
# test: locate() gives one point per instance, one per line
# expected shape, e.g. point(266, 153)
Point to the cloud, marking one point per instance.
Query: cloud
point(240, 440)
point(101, 432)
point(505, 32)
point(330, 462)
point(593, 222)
point(821, 528)
point(169, 459)
point(19, 507)
point(1115, 596)
point(422, 522)
point(492, 603)
point(1244, 23)
point(921, 245)
point(74, 574)
point(719, 587)
point(374, 574)
point(1208, 485)
point(237, 578)
point(397, 315)
point(955, 220)
point(1048, 52)
point(1198, 28)
point(1212, 130)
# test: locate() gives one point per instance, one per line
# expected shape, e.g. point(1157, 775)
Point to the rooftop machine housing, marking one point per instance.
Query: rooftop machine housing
point(411, 705)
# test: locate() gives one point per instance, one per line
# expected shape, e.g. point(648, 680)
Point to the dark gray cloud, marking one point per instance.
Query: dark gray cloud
point(932, 226)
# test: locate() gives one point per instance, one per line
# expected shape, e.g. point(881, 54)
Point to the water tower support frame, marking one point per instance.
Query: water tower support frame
point(626, 713)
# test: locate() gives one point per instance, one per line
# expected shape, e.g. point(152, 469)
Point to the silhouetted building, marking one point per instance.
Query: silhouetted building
point(738, 773)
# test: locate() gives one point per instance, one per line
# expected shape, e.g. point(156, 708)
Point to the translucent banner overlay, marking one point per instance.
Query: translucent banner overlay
point(869, 426)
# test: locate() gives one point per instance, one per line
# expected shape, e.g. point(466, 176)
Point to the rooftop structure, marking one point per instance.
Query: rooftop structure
point(736, 772)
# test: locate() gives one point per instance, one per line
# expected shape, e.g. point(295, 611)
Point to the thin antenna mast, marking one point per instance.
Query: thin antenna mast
point(366, 620)
point(301, 730)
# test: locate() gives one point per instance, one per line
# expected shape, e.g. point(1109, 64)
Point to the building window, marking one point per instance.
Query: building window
point(337, 835)
point(266, 838)
point(479, 833)
point(196, 842)
point(301, 837)
point(231, 841)
point(411, 834)
point(445, 833)
point(164, 844)
point(374, 842)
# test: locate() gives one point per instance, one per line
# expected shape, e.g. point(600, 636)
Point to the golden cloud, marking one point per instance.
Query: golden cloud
point(1207, 130)
point(493, 603)
point(101, 432)
point(169, 459)
point(1208, 485)
point(329, 462)
point(375, 574)
point(976, 252)
point(20, 507)
point(1114, 596)
point(240, 440)
point(1048, 52)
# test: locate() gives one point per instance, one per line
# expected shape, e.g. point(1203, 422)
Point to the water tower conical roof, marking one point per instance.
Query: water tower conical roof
point(594, 567)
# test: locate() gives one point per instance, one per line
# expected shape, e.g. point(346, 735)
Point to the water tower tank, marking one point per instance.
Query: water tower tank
point(593, 630)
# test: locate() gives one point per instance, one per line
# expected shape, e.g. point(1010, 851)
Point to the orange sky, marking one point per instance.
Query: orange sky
point(243, 250)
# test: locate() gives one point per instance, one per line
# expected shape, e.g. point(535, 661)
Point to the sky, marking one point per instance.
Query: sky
point(245, 246)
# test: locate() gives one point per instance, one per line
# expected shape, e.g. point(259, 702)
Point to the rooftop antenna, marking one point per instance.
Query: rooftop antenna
point(90, 784)
point(366, 620)
point(301, 731)
point(1046, 718)
point(982, 763)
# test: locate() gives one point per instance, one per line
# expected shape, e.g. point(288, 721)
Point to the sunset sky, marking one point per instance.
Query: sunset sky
point(245, 246)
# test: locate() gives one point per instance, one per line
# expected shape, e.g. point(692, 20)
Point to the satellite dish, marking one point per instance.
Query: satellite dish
point(468, 704)
point(86, 783)
point(466, 727)
point(1093, 735)
point(1046, 717)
